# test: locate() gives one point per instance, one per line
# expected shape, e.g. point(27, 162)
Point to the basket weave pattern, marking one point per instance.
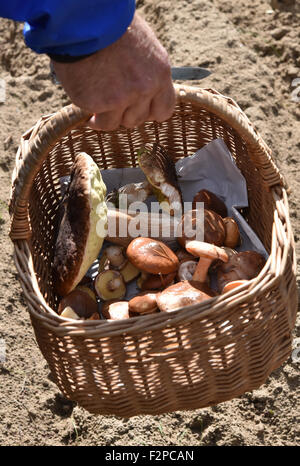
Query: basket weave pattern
point(191, 358)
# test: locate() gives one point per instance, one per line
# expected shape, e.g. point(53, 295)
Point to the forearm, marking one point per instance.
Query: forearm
point(70, 27)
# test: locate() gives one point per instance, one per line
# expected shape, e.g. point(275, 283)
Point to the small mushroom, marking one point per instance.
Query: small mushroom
point(152, 256)
point(82, 301)
point(116, 256)
point(160, 171)
point(191, 227)
point(143, 303)
point(232, 233)
point(186, 270)
point(115, 310)
point(149, 281)
point(207, 253)
point(244, 265)
point(211, 202)
point(110, 285)
point(232, 285)
point(116, 259)
point(182, 294)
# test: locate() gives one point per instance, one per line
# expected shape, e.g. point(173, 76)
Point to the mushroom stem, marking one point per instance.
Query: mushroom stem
point(201, 271)
point(207, 253)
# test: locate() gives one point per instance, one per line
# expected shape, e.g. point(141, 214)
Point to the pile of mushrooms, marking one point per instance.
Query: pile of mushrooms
point(166, 279)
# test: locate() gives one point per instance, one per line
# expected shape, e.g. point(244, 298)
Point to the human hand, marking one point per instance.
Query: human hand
point(127, 83)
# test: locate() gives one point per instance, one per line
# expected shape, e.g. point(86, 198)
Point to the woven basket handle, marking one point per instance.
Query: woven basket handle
point(58, 125)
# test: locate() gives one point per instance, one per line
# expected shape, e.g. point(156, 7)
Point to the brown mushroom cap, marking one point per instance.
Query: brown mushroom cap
point(152, 256)
point(232, 233)
point(83, 302)
point(150, 281)
point(242, 266)
point(143, 303)
point(211, 202)
point(190, 227)
point(183, 294)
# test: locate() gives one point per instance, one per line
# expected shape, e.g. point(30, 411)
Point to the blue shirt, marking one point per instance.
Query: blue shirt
point(70, 27)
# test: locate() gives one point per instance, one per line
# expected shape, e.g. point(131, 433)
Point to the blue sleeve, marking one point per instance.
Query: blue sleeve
point(71, 27)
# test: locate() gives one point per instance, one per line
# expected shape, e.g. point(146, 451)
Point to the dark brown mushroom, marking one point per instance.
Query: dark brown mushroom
point(149, 281)
point(210, 202)
point(209, 228)
point(242, 266)
point(183, 255)
point(82, 300)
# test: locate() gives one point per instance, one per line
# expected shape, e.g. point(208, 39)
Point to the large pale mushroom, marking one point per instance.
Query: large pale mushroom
point(83, 225)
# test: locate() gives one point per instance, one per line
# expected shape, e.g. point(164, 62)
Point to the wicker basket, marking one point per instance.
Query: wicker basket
point(191, 358)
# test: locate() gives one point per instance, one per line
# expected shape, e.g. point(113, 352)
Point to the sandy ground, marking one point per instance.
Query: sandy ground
point(254, 55)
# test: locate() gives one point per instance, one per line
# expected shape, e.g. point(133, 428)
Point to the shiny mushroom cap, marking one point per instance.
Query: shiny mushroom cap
point(143, 303)
point(152, 256)
point(183, 294)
